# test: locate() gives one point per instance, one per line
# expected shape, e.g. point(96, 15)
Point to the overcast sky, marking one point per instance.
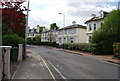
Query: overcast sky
point(45, 12)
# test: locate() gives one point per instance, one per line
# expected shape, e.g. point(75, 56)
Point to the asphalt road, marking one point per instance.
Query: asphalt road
point(64, 65)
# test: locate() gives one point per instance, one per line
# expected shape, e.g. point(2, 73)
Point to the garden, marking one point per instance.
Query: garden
point(13, 26)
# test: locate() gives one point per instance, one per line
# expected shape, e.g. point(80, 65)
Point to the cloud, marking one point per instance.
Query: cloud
point(45, 12)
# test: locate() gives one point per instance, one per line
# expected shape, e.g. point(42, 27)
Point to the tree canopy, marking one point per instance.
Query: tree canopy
point(54, 26)
point(13, 18)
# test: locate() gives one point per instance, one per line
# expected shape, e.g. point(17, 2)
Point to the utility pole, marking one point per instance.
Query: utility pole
point(26, 30)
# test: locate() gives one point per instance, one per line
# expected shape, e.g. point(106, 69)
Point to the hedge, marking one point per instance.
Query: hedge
point(116, 48)
point(49, 44)
point(12, 40)
point(86, 47)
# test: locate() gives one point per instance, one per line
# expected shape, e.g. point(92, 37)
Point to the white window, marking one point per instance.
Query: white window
point(94, 26)
point(90, 28)
point(71, 40)
point(101, 15)
point(64, 40)
point(60, 40)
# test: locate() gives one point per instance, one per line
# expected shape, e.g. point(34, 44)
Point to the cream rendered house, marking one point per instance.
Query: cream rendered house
point(71, 34)
point(94, 23)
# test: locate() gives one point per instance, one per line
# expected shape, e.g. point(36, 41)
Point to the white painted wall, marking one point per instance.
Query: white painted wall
point(89, 32)
point(45, 36)
point(77, 35)
point(30, 35)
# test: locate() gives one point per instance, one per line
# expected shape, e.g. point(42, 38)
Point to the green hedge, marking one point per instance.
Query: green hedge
point(12, 40)
point(49, 44)
point(86, 47)
point(116, 48)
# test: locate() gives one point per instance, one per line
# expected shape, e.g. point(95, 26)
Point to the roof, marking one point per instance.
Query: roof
point(74, 26)
point(68, 27)
point(94, 19)
point(97, 18)
point(32, 31)
point(49, 31)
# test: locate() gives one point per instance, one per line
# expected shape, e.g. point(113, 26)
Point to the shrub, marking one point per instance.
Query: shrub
point(116, 48)
point(12, 40)
point(86, 47)
point(49, 44)
point(104, 46)
point(29, 41)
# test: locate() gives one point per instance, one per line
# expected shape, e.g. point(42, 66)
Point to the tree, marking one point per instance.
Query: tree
point(54, 26)
point(109, 33)
point(13, 18)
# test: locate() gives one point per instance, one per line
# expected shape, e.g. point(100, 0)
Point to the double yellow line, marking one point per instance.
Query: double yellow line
point(48, 68)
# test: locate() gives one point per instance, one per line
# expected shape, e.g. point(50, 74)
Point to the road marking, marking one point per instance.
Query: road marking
point(57, 70)
point(48, 68)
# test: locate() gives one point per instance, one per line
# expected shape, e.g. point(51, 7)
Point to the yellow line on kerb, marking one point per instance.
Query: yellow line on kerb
point(48, 68)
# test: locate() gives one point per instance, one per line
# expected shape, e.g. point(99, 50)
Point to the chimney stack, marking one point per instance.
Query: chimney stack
point(73, 22)
point(93, 15)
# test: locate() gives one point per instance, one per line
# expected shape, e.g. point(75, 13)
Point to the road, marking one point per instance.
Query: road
point(64, 65)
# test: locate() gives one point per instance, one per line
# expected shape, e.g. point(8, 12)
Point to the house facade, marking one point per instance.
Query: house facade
point(31, 33)
point(71, 34)
point(49, 36)
point(94, 24)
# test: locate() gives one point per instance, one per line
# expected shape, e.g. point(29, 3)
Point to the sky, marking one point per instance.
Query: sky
point(46, 12)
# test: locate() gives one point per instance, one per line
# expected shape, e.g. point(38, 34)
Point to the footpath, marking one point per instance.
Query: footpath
point(31, 68)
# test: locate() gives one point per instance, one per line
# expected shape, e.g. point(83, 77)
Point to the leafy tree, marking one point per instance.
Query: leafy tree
point(13, 18)
point(109, 33)
point(54, 26)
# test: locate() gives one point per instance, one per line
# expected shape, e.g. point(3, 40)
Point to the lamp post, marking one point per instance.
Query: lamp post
point(26, 30)
point(63, 19)
point(63, 26)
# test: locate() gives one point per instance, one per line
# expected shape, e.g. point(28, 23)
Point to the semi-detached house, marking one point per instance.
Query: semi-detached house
point(94, 23)
point(74, 33)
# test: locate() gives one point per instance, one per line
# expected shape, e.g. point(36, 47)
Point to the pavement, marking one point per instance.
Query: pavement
point(30, 68)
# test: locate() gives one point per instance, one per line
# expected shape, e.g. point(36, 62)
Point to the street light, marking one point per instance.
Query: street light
point(63, 27)
point(63, 19)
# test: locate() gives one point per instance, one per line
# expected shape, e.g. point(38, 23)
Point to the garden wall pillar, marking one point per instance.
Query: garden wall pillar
point(6, 61)
point(20, 53)
point(1, 64)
